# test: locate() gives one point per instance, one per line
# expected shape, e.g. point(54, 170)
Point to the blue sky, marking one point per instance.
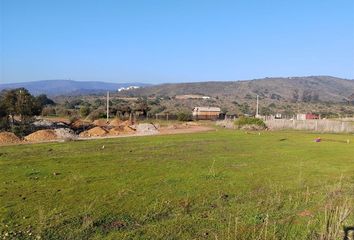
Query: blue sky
point(175, 41)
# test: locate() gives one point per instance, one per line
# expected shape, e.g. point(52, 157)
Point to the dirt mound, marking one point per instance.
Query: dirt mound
point(116, 131)
point(8, 138)
point(94, 132)
point(146, 129)
point(126, 123)
point(100, 123)
point(80, 124)
point(43, 123)
point(115, 122)
point(128, 129)
point(187, 124)
point(65, 133)
point(41, 135)
point(175, 126)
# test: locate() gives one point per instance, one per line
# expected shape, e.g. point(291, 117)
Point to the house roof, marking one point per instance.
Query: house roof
point(207, 109)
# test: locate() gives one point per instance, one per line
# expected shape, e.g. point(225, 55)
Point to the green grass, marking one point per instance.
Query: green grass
point(214, 185)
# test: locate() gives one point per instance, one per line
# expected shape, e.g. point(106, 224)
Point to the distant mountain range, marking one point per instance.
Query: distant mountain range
point(69, 87)
point(312, 88)
point(322, 88)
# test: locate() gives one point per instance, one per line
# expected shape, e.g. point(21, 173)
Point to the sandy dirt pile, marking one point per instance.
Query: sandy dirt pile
point(100, 123)
point(94, 132)
point(41, 135)
point(146, 129)
point(115, 122)
point(80, 124)
point(116, 131)
point(128, 129)
point(190, 124)
point(65, 133)
point(175, 126)
point(43, 123)
point(8, 138)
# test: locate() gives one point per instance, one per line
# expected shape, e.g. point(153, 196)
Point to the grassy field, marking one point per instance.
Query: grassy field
point(222, 184)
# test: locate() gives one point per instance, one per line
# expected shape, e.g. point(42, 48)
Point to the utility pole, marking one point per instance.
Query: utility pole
point(257, 107)
point(107, 106)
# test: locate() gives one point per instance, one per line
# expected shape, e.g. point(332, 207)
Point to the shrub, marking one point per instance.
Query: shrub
point(84, 111)
point(96, 114)
point(73, 118)
point(48, 111)
point(249, 121)
point(184, 116)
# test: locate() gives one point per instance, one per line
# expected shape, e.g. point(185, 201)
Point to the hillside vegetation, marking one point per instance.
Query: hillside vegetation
point(323, 88)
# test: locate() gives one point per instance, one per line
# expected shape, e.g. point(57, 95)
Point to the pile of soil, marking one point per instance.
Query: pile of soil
point(41, 135)
point(174, 126)
point(80, 124)
point(100, 123)
point(94, 132)
point(43, 123)
point(128, 129)
point(126, 123)
point(187, 124)
point(116, 131)
point(65, 133)
point(115, 122)
point(8, 138)
point(146, 129)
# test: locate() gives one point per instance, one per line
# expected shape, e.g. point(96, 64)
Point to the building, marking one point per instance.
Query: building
point(191, 96)
point(307, 116)
point(206, 113)
point(278, 116)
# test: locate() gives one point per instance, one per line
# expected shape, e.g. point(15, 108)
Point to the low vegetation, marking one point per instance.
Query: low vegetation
point(221, 184)
point(249, 122)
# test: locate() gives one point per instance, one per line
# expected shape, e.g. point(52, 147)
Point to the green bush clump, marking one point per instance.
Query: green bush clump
point(249, 121)
point(184, 116)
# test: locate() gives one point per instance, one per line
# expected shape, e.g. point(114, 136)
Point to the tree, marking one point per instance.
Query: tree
point(295, 95)
point(18, 102)
point(4, 117)
point(142, 105)
point(184, 116)
point(26, 105)
point(43, 100)
point(307, 96)
point(122, 108)
point(244, 108)
point(266, 111)
point(73, 104)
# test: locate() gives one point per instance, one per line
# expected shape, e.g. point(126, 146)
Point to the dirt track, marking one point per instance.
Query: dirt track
point(162, 131)
point(191, 129)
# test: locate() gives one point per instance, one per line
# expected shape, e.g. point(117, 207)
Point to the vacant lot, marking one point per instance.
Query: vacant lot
point(212, 185)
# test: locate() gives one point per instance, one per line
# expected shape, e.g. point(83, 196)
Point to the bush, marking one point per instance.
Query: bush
point(248, 121)
point(184, 116)
point(73, 118)
point(84, 111)
point(48, 111)
point(96, 114)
